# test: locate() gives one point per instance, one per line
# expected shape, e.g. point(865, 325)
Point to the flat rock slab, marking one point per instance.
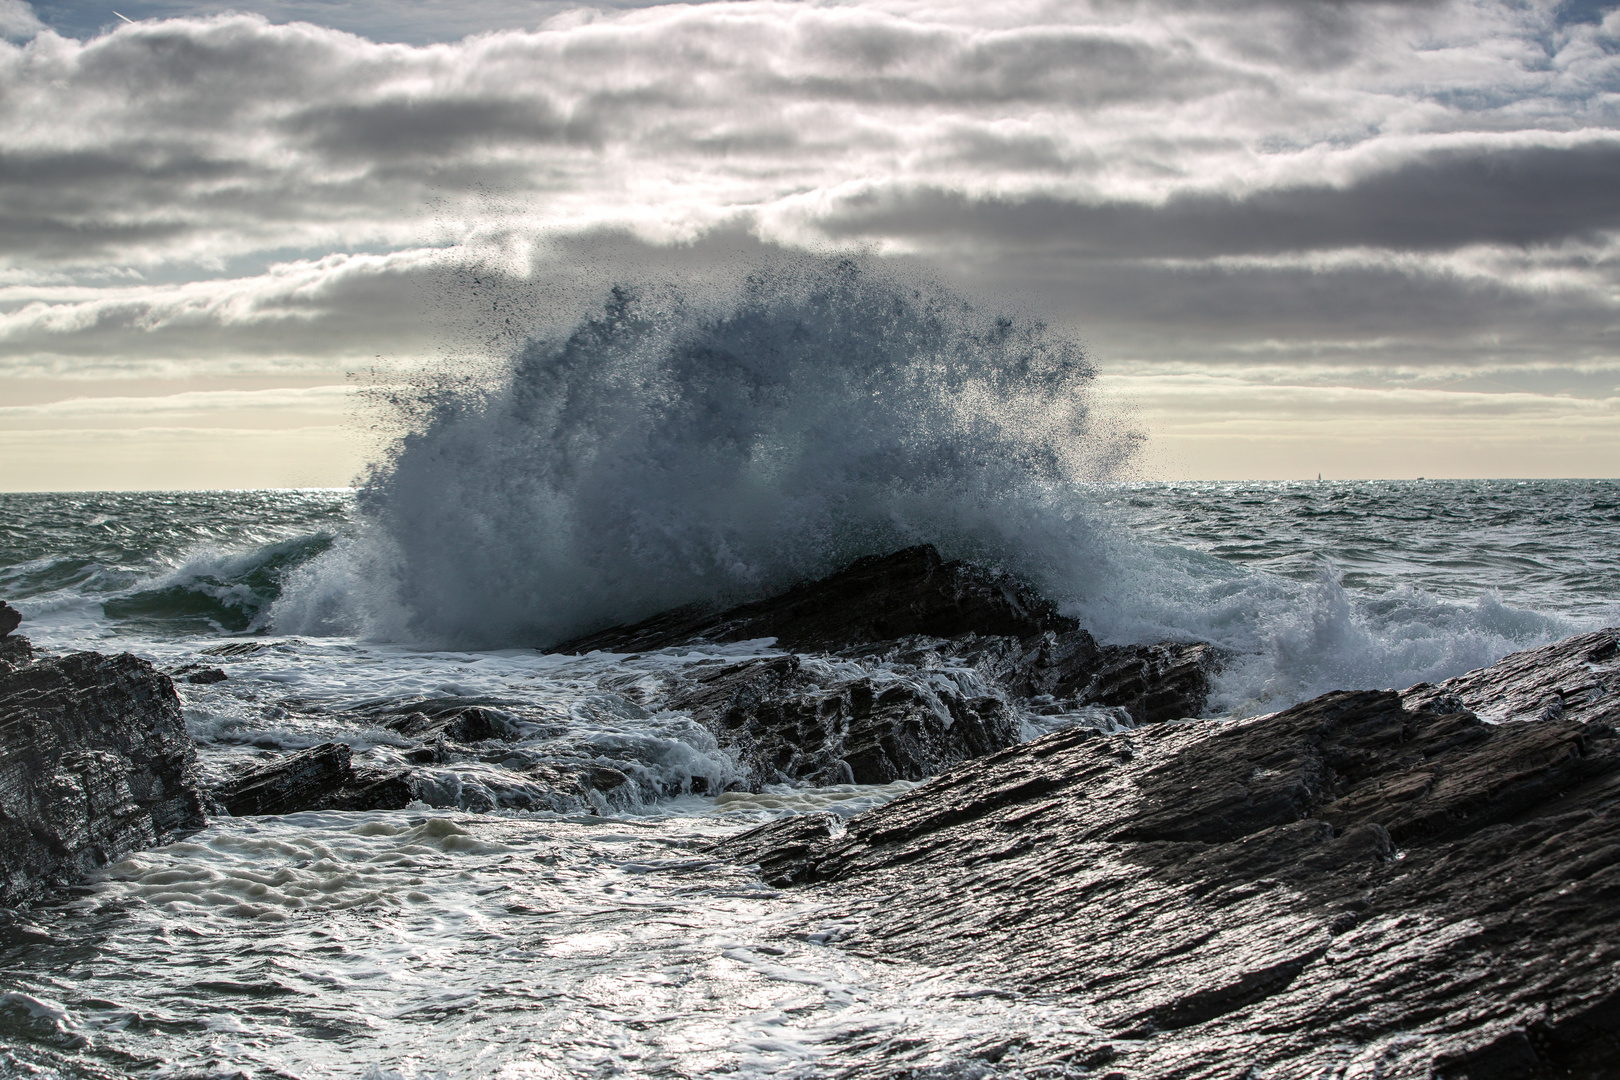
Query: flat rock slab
point(95, 762)
point(1347, 888)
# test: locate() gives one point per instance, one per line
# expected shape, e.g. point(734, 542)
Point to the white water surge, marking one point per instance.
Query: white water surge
point(666, 450)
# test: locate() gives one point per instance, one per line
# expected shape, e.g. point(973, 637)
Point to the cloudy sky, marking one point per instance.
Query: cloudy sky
point(1357, 238)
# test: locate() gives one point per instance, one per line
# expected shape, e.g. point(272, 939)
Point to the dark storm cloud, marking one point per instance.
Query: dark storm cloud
point(1446, 200)
point(410, 127)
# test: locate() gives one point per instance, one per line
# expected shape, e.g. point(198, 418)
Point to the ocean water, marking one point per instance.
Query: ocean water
point(488, 932)
point(662, 451)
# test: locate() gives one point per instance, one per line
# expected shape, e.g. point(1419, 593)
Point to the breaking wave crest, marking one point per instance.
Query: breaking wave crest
point(670, 450)
point(223, 591)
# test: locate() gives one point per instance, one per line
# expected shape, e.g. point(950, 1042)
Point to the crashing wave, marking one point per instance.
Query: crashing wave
point(671, 450)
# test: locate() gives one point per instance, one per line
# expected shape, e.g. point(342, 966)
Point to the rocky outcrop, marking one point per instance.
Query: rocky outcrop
point(1574, 679)
point(454, 720)
point(1356, 886)
point(15, 652)
point(944, 656)
point(95, 762)
point(880, 598)
point(789, 723)
point(10, 619)
point(198, 674)
point(320, 778)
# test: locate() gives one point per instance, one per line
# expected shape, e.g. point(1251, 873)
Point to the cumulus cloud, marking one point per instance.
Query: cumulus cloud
point(17, 19)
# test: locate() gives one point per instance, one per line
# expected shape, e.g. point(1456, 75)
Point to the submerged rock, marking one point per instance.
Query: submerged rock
point(1354, 886)
point(320, 778)
point(95, 762)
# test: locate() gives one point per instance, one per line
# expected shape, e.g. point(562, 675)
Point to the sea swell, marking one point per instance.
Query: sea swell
point(230, 591)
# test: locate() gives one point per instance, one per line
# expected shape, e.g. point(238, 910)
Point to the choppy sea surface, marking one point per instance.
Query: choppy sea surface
point(490, 930)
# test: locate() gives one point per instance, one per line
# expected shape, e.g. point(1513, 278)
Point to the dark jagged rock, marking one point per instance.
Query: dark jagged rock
point(1166, 681)
point(879, 598)
point(914, 622)
point(10, 619)
point(789, 724)
point(320, 778)
point(1350, 887)
point(95, 762)
point(15, 652)
point(462, 723)
point(1575, 679)
point(198, 674)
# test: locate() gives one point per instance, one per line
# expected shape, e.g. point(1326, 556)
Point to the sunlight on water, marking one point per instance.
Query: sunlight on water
point(413, 945)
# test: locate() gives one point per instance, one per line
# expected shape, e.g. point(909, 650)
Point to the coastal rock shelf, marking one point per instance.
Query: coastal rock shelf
point(95, 762)
point(1574, 679)
point(1356, 886)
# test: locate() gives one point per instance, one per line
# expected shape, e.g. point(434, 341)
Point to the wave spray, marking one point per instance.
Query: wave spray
point(671, 450)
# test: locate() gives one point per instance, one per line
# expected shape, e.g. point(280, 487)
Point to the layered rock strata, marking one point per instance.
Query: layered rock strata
point(1574, 679)
point(95, 762)
point(787, 721)
point(1356, 886)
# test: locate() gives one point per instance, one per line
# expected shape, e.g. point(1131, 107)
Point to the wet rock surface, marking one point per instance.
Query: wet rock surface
point(907, 664)
point(1356, 886)
point(320, 778)
point(198, 674)
point(1574, 679)
point(880, 598)
point(14, 652)
point(95, 762)
point(789, 722)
